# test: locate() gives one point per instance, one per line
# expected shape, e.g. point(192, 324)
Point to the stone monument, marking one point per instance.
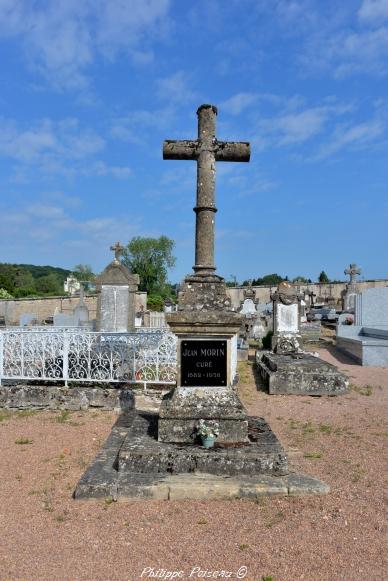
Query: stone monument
point(204, 325)
point(161, 455)
point(116, 288)
point(287, 369)
point(286, 314)
point(349, 299)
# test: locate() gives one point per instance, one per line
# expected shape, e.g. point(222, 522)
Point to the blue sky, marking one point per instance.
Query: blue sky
point(89, 90)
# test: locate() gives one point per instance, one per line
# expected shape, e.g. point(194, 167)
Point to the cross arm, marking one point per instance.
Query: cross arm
point(232, 151)
point(180, 149)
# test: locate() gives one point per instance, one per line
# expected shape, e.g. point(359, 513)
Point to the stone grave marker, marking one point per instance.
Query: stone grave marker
point(116, 288)
point(162, 455)
point(349, 299)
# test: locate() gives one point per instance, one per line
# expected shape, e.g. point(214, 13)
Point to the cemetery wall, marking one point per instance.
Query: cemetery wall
point(44, 307)
point(321, 290)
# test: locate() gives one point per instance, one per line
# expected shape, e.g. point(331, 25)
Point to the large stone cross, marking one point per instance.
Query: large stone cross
point(206, 150)
point(118, 250)
point(352, 271)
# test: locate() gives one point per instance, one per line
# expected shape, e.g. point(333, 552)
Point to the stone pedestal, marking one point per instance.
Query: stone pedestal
point(204, 380)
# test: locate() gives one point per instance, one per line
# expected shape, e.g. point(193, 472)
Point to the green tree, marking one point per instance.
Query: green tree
point(6, 282)
point(300, 279)
point(151, 258)
point(4, 294)
point(323, 277)
point(84, 272)
point(49, 284)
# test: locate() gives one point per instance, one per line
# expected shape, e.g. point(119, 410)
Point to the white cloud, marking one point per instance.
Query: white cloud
point(176, 88)
point(62, 39)
point(47, 140)
point(236, 104)
point(373, 11)
point(133, 128)
point(360, 135)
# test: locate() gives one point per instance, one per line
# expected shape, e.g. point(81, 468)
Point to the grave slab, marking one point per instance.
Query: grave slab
point(304, 375)
point(110, 476)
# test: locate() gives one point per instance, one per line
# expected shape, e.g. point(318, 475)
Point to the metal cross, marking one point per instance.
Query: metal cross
point(118, 250)
point(206, 150)
point(352, 271)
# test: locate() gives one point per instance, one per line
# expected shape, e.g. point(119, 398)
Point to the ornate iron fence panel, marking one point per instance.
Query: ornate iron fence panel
point(85, 356)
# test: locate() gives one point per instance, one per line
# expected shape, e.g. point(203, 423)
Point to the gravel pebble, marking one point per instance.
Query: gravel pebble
point(46, 535)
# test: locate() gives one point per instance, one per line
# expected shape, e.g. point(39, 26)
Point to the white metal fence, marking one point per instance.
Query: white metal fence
point(84, 356)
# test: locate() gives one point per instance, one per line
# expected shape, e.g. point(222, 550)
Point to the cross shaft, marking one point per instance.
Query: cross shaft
point(206, 150)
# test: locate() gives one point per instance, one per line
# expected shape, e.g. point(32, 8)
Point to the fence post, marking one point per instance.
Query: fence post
point(65, 359)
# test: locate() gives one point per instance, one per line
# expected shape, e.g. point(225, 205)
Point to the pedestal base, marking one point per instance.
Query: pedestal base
point(183, 407)
point(307, 375)
point(132, 465)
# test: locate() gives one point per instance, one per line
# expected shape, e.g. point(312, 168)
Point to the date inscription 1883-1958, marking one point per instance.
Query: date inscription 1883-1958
point(203, 363)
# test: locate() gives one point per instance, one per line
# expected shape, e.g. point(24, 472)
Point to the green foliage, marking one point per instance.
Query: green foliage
point(323, 277)
point(7, 283)
point(4, 294)
point(84, 272)
point(266, 341)
point(300, 280)
point(268, 280)
point(49, 284)
point(155, 302)
point(24, 280)
point(151, 258)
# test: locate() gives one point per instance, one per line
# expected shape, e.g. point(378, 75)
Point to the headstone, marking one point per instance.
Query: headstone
point(64, 320)
point(371, 307)
point(116, 288)
point(287, 369)
point(349, 299)
point(286, 319)
point(28, 319)
point(366, 340)
point(81, 311)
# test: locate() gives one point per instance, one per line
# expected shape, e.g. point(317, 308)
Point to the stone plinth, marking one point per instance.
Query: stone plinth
point(307, 375)
point(182, 409)
point(204, 378)
point(142, 453)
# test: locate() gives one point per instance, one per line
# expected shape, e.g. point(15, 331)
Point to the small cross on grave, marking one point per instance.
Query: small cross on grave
point(352, 271)
point(206, 150)
point(118, 250)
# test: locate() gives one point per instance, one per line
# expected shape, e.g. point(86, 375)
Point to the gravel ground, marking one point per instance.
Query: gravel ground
point(45, 535)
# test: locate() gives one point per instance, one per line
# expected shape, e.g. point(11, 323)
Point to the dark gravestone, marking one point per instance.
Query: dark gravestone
point(203, 363)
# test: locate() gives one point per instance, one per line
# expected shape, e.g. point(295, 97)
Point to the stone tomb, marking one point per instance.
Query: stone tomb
point(160, 455)
point(116, 288)
point(366, 340)
point(287, 369)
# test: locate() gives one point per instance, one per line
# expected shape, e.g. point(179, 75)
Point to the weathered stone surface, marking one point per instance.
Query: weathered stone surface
point(182, 408)
point(307, 375)
point(65, 398)
point(206, 150)
point(103, 479)
point(142, 453)
point(302, 484)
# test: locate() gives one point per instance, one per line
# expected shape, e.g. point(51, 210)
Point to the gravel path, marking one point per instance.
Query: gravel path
point(45, 535)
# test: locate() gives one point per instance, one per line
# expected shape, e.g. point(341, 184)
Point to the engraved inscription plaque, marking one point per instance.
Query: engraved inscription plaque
point(203, 363)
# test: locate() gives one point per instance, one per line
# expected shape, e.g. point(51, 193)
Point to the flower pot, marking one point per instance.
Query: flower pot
point(208, 441)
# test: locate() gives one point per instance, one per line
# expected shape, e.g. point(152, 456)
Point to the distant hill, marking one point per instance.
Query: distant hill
point(21, 280)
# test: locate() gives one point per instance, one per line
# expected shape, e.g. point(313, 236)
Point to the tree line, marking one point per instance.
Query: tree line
point(150, 258)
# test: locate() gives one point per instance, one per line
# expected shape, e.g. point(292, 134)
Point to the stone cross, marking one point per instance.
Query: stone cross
point(118, 250)
point(352, 271)
point(206, 150)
